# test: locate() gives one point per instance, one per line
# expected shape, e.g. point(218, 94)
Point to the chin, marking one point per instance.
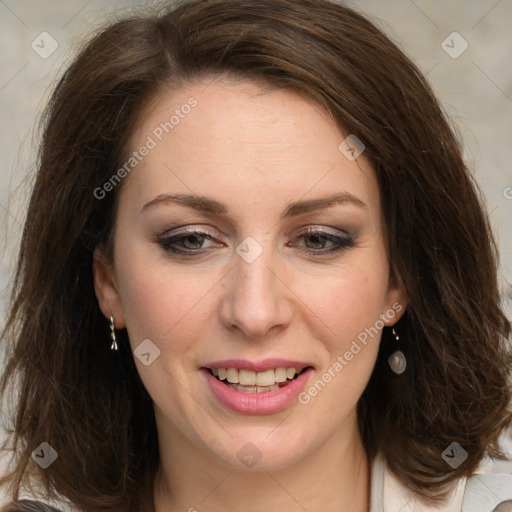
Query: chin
point(267, 449)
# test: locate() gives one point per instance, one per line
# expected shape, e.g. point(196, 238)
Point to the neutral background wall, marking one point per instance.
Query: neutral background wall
point(475, 88)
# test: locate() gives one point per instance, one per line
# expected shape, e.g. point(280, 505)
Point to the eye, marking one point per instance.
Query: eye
point(318, 237)
point(188, 242)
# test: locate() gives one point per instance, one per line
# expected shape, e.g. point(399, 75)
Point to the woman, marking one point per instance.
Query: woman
point(245, 281)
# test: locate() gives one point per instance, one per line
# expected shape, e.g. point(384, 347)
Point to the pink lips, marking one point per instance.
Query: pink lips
point(256, 403)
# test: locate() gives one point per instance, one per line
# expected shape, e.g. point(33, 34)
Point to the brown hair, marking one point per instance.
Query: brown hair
point(89, 403)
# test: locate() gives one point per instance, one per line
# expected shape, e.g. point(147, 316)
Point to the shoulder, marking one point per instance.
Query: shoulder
point(29, 506)
point(489, 490)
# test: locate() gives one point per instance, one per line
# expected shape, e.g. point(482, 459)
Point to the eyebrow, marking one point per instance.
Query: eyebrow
point(208, 205)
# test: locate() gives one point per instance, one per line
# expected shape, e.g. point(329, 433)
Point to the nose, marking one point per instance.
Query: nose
point(258, 299)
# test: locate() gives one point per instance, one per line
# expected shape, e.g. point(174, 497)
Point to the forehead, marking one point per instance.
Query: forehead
point(246, 144)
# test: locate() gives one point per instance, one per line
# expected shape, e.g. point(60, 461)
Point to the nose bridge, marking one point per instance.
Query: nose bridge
point(256, 301)
point(252, 269)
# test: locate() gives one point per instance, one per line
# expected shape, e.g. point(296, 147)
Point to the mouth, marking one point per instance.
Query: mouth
point(256, 387)
point(249, 381)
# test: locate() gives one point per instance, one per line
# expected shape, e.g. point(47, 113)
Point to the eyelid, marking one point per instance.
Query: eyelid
point(322, 229)
point(205, 229)
point(190, 229)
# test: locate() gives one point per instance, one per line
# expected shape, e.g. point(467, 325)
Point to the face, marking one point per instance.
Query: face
point(251, 271)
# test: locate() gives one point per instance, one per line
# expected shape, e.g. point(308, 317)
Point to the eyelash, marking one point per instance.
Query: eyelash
point(342, 242)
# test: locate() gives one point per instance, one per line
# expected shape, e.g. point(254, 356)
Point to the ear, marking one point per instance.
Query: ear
point(396, 301)
point(106, 289)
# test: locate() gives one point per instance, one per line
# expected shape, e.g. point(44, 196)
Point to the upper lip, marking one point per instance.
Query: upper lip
point(256, 366)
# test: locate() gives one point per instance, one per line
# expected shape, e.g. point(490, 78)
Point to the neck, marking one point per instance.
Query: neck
point(332, 477)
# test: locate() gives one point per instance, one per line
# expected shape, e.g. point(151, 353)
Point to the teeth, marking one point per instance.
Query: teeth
point(267, 378)
point(246, 389)
point(254, 379)
point(290, 373)
point(280, 374)
point(246, 377)
point(233, 375)
point(254, 389)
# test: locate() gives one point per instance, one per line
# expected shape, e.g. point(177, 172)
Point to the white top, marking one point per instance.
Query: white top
point(482, 492)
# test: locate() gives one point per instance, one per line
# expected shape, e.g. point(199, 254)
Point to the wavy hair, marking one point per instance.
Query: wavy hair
point(89, 403)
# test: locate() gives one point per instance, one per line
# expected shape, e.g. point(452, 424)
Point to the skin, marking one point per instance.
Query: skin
point(256, 152)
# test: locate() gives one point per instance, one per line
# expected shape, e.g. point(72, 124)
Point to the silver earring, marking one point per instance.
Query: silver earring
point(397, 360)
point(113, 334)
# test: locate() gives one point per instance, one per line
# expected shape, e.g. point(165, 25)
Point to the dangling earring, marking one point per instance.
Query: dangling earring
point(113, 334)
point(397, 360)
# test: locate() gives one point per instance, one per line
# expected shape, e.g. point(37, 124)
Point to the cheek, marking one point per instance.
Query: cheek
point(346, 314)
point(159, 302)
point(348, 302)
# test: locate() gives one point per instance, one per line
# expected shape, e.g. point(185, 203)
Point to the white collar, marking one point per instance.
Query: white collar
point(388, 494)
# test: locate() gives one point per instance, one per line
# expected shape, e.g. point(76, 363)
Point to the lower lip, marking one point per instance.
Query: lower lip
point(257, 403)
